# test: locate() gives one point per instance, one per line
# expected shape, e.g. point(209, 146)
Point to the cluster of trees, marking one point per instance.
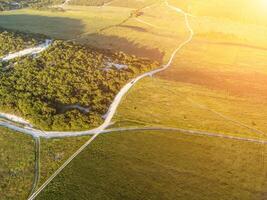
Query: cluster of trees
point(67, 74)
point(44, 4)
point(89, 2)
point(14, 41)
point(9, 5)
point(17, 4)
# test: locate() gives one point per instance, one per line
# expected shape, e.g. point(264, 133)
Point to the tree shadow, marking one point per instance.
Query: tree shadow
point(135, 28)
point(68, 28)
point(55, 27)
point(144, 30)
point(234, 83)
point(115, 43)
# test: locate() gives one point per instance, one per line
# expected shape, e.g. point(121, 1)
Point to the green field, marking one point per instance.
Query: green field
point(16, 165)
point(163, 165)
point(70, 24)
point(54, 152)
point(217, 84)
point(187, 106)
point(17, 161)
point(206, 84)
point(141, 39)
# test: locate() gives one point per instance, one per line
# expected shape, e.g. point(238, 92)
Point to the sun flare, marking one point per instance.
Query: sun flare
point(264, 2)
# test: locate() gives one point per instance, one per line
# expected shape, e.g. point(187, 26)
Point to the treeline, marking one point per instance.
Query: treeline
point(89, 2)
point(18, 4)
point(11, 41)
point(15, 4)
point(67, 74)
point(45, 4)
point(9, 5)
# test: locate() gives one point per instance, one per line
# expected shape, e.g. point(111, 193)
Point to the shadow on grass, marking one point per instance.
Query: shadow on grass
point(135, 28)
point(55, 27)
point(154, 33)
point(115, 43)
point(234, 83)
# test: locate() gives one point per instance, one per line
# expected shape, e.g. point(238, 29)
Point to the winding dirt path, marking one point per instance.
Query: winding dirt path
point(187, 132)
point(37, 166)
point(30, 51)
point(27, 129)
point(114, 105)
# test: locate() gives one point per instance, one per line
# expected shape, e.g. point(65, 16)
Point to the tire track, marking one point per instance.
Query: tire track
point(37, 165)
point(116, 103)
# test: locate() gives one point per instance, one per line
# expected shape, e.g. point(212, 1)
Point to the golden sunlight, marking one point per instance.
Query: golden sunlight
point(264, 3)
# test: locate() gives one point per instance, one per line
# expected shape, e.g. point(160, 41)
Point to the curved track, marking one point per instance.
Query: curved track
point(114, 105)
point(30, 51)
point(187, 132)
point(37, 166)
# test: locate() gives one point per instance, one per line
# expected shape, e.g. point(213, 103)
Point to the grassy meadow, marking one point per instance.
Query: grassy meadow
point(133, 4)
point(157, 102)
point(17, 161)
point(16, 165)
point(145, 36)
point(207, 83)
point(70, 24)
point(163, 165)
point(54, 152)
point(217, 83)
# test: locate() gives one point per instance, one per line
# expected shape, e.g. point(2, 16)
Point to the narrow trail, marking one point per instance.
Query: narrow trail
point(37, 166)
point(195, 132)
point(14, 118)
point(229, 119)
point(187, 132)
point(111, 112)
point(116, 102)
point(147, 23)
point(113, 25)
point(224, 117)
point(30, 51)
point(113, 107)
point(108, 3)
point(66, 2)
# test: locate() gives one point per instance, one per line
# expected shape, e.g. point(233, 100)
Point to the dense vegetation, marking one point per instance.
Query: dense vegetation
point(67, 87)
point(163, 165)
point(16, 165)
point(15, 41)
point(89, 2)
point(11, 5)
point(17, 4)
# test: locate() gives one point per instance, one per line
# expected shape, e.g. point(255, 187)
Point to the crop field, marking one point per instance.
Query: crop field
point(163, 165)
